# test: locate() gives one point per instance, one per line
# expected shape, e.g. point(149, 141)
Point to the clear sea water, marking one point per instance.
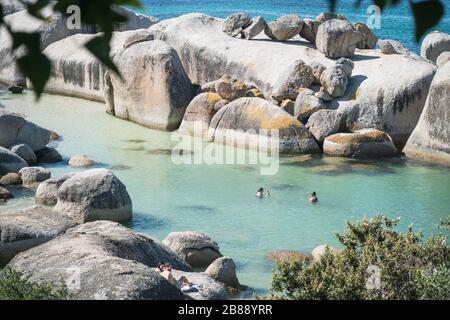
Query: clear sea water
point(396, 22)
point(220, 200)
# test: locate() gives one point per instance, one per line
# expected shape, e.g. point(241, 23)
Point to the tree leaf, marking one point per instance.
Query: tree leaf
point(99, 46)
point(36, 67)
point(426, 15)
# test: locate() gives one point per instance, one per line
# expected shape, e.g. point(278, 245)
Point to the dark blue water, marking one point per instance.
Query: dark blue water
point(396, 22)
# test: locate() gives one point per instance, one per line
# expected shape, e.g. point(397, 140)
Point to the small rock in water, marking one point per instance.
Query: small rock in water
point(11, 179)
point(5, 194)
point(16, 89)
point(54, 136)
point(25, 152)
point(31, 175)
point(80, 161)
point(48, 155)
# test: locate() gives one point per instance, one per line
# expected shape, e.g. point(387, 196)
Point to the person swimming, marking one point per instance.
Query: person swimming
point(261, 194)
point(313, 197)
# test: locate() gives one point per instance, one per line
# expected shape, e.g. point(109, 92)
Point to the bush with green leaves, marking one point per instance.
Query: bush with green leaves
point(14, 286)
point(410, 267)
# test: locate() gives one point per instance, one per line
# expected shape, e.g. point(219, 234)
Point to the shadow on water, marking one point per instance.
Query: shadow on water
point(197, 209)
point(146, 223)
point(119, 167)
point(134, 149)
point(135, 140)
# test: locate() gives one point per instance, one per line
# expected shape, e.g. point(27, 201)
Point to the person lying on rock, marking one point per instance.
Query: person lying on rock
point(313, 197)
point(165, 270)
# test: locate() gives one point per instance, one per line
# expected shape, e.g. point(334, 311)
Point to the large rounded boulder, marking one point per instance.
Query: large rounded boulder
point(256, 123)
point(47, 191)
point(199, 113)
point(430, 139)
point(223, 270)
point(284, 28)
point(196, 248)
point(235, 23)
point(102, 261)
point(94, 195)
point(434, 44)
point(337, 38)
point(365, 143)
point(33, 175)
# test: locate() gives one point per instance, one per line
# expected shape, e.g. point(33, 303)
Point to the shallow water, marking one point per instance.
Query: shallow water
point(220, 201)
point(396, 22)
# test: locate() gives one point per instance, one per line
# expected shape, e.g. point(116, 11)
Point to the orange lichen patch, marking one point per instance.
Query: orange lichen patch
point(267, 121)
point(280, 122)
point(301, 90)
point(359, 137)
point(213, 98)
point(285, 256)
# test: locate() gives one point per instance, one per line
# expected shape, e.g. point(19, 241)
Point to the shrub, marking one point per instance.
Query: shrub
point(402, 260)
point(14, 286)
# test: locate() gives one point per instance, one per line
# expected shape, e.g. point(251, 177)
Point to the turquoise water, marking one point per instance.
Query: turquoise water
point(396, 22)
point(220, 200)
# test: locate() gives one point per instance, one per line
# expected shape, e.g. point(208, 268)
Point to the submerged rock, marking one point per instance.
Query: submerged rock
point(430, 139)
point(28, 228)
point(94, 195)
point(110, 261)
point(250, 123)
point(155, 95)
point(80, 161)
point(337, 39)
point(196, 248)
point(367, 143)
point(284, 28)
point(434, 44)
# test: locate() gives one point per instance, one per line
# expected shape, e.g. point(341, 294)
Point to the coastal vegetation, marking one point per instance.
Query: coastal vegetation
point(376, 262)
point(14, 286)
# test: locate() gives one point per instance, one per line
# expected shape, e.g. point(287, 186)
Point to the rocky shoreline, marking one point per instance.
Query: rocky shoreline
point(322, 84)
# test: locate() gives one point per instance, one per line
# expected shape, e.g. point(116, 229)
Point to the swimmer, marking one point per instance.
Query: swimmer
point(313, 197)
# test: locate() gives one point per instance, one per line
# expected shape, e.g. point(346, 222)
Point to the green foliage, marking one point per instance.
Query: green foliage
point(403, 259)
point(13, 286)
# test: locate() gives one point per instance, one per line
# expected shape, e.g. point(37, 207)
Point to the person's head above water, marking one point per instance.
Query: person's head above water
point(261, 190)
point(314, 194)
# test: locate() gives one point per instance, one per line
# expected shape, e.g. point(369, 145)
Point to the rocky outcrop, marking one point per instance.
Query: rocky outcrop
point(381, 94)
point(76, 72)
point(134, 20)
point(207, 288)
point(324, 123)
point(199, 113)
point(235, 23)
point(14, 129)
point(369, 39)
point(28, 228)
point(32, 175)
point(223, 270)
point(196, 248)
point(80, 161)
point(47, 191)
point(284, 28)
point(94, 195)
point(25, 152)
point(431, 138)
point(367, 143)
point(51, 29)
point(155, 90)
point(10, 162)
point(307, 104)
point(434, 44)
point(337, 38)
point(104, 261)
point(259, 124)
